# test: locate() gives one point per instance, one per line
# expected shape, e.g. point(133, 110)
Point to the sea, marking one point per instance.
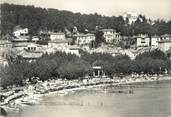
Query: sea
point(149, 100)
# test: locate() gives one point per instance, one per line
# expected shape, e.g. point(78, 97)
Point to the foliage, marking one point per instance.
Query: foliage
point(99, 38)
point(152, 62)
point(73, 70)
point(62, 65)
point(155, 54)
point(37, 19)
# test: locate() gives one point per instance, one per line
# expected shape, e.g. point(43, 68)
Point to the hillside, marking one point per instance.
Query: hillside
point(52, 19)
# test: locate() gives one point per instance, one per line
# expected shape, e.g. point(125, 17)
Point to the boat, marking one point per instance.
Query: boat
point(28, 101)
point(9, 108)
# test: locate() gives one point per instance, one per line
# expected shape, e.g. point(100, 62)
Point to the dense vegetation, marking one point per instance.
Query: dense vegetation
point(61, 65)
point(37, 19)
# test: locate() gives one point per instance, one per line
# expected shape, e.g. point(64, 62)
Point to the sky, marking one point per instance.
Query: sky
point(153, 9)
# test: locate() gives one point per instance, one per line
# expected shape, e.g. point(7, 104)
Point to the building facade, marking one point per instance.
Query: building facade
point(154, 41)
point(142, 41)
point(131, 17)
point(85, 41)
point(165, 37)
point(57, 36)
point(18, 31)
point(58, 44)
point(164, 45)
point(111, 36)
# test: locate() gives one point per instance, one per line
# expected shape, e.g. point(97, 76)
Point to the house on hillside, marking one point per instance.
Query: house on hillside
point(111, 36)
point(21, 38)
point(154, 41)
point(57, 36)
point(57, 42)
point(98, 72)
point(18, 31)
point(165, 43)
point(33, 47)
point(35, 39)
point(131, 17)
point(29, 55)
point(5, 45)
point(73, 50)
point(142, 41)
point(165, 37)
point(85, 41)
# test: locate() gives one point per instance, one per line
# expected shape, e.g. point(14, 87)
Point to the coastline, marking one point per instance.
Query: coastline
point(30, 95)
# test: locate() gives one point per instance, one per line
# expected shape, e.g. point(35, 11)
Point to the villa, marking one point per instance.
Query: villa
point(165, 43)
point(29, 55)
point(98, 71)
point(57, 36)
point(166, 37)
point(18, 31)
point(58, 41)
point(111, 36)
point(142, 41)
point(131, 17)
point(85, 41)
point(154, 41)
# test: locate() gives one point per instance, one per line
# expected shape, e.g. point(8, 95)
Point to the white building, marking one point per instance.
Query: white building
point(29, 55)
point(166, 37)
point(154, 41)
point(33, 47)
point(82, 39)
point(5, 45)
point(111, 36)
point(98, 72)
point(142, 41)
point(86, 41)
point(132, 17)
point(20, 34)
point(165, 43)
point(18, 31)
point(58, 44)
point(73, 50)
point(57, 36)
point(35, 39)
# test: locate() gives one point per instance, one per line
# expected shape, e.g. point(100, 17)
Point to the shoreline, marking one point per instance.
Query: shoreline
point(30, 95)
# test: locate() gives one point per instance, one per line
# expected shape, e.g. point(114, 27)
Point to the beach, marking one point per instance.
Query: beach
point(32, 94)
point(150, 100)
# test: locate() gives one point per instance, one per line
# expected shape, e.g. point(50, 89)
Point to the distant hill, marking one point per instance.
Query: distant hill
point(37, 19)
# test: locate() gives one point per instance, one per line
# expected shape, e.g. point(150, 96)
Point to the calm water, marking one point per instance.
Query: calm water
point(145, 102)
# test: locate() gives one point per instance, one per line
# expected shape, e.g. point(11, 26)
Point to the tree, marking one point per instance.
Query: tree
point(99, 38)
point(74, 70)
